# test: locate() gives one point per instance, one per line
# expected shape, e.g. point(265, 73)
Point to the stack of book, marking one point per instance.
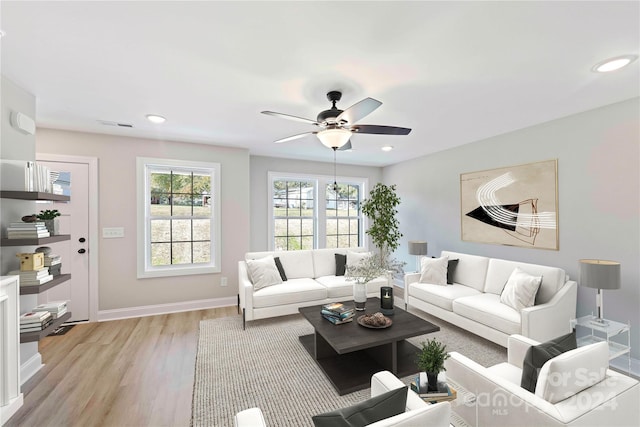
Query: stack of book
point(55, 308)
point(338, 313)
point(33, 277)
point(421, 387)
point(54, 262)
point(35, 321)
point(27, 230)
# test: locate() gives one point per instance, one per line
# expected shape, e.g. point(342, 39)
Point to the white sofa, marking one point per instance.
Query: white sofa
point(417, 413)
point(311, 280)
point(472, 302)
point(573, 389)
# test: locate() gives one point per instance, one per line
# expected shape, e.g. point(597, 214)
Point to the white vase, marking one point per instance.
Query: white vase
point(52, 226)
point(360, 295)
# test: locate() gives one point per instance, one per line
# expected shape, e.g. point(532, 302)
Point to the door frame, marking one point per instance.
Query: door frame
point(92, 162)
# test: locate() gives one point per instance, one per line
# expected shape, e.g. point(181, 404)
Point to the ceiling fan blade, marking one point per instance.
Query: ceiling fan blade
point(359, 110)
point(346, 146)
point(380, 130)
point(290, 117)
point(292, 137)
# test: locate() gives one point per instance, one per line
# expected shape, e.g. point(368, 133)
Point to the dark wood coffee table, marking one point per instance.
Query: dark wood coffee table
point(349, 354)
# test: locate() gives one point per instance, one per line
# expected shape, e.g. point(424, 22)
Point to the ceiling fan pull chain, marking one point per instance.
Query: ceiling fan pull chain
point(335, 181)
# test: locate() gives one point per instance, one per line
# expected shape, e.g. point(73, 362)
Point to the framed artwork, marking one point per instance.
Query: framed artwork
point(515, 206)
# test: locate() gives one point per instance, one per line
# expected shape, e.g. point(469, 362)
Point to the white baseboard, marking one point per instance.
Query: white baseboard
point(152, 310)
point(30, 367)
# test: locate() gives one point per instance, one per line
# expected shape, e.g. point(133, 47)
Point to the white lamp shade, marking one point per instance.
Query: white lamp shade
point(599, 274)
point(417, 247)
point(334, 138)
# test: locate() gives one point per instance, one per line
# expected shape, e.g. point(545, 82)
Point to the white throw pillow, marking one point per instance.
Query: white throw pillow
point(355, 258)
point(571, 372)
point(520, 290)
point(434, 270)
point(263, 272)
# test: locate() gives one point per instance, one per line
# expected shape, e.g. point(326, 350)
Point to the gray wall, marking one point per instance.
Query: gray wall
point(598, 155)
point(261, 166)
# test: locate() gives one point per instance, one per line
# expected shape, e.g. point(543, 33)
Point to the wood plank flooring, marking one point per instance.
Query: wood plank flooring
point(132, 372)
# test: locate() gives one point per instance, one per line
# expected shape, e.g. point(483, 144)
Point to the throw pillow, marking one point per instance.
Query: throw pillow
point(520, 290)
point(451, 267)
point(364, 413)
point(341, 264)
point(434, 270)
point(354, 258)
point(537, 355)
point(280, 268)
point(263, 272)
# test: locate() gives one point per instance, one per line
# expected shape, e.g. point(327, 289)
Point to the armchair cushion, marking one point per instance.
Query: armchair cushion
point(364, 413)
point(537, 355)
point(571, 372)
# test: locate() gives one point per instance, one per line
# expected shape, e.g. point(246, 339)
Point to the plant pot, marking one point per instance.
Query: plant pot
point(432, 378)
point(360, 295)
point(52, 226)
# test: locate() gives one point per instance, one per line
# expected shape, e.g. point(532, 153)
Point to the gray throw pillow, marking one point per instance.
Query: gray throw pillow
point(451, 266)
point(341, 264)
point(364, 413)
point(280, 268)
point(538, 355)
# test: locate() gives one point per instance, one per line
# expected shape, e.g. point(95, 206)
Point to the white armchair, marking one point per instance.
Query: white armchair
point(417, 413)
point(573, 389)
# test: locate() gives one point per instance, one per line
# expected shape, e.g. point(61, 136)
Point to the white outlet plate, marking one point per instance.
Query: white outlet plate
point(223, 281)
point(112, 232)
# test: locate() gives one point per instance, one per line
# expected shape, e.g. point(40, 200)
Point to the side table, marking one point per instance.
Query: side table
point(604, 332)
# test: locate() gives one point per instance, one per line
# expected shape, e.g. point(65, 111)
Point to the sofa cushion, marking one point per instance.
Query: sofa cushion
point(337, 286)
point(434, 270)
point(520, 290)
point(499, 270)
point(488, 310)
point(341, 264)
point(324, 261)
point(571, 372)
point(263, 272)
point(377, 408)
point(283, 274)
point(537, 355)
point(441, 296)
point(293, 291)
point(471, 270)
point(297, 264)
point(354, 258)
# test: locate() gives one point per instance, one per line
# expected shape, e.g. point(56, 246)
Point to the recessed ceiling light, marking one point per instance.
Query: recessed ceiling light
point(613, 64)
point(387, 148)
point(2, 33)
point(154, 118)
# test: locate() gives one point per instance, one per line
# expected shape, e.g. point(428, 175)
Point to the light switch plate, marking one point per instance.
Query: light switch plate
point(112, 232)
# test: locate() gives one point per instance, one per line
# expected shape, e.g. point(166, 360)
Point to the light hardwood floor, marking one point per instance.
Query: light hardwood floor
point(132, 372)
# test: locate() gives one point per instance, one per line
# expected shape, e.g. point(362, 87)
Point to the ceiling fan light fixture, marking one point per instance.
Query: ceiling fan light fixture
point(334, 138)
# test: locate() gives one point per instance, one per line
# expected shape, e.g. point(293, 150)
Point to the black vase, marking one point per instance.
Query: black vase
point(432, 378)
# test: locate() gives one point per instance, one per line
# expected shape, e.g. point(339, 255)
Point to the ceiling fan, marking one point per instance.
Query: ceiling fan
point(336, 126)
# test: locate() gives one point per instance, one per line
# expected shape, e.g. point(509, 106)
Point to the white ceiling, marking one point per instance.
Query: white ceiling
point(454, 72)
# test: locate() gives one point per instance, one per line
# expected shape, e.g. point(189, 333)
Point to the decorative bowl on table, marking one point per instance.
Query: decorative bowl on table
point(374, 321)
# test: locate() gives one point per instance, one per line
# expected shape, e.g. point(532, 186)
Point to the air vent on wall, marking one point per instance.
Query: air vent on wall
point(110, 123)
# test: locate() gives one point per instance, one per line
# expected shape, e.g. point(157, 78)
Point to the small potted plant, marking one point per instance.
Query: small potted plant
point(431, 359)
point(50, 221)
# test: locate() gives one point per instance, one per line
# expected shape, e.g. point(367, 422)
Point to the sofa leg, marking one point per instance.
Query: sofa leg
point(243, 319)
point(238, 304)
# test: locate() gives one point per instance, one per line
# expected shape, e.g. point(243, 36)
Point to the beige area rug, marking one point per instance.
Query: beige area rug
point(265, 366)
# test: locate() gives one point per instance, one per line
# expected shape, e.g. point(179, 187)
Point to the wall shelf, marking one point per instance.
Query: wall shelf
point(35, 242)
point(33, 195)
point(38, 335)
point(36, 289)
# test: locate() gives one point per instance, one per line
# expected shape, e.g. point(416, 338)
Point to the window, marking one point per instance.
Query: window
point(178, 217)
point(308, 213)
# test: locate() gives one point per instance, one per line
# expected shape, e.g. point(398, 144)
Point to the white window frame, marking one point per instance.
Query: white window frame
point(144, 267)
point(320, 217)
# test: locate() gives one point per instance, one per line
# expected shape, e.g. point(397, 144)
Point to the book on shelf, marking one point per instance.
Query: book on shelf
point(50, 260)
point(55, 308)
point(420, 386)
point(34, 317)
point(31, 234)
point(35, 327)
point(27, 225)
point(338, 321)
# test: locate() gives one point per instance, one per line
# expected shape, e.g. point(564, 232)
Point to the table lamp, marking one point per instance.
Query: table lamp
point(417, 248)
point(599, 274)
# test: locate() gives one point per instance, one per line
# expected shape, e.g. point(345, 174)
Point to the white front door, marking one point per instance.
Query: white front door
point(75, 253)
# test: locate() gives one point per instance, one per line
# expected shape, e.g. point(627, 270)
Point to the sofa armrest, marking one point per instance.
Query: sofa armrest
point(544, 322)
point(517, 346)
point(437, 415)
point(408, 279)
point(249, 418)
point(245, 289)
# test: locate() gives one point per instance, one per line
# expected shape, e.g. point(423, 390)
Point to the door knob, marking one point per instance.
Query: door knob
point(82, 240)
point(81, 251)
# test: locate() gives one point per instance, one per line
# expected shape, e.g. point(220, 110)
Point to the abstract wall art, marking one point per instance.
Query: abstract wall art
point(515, 206)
